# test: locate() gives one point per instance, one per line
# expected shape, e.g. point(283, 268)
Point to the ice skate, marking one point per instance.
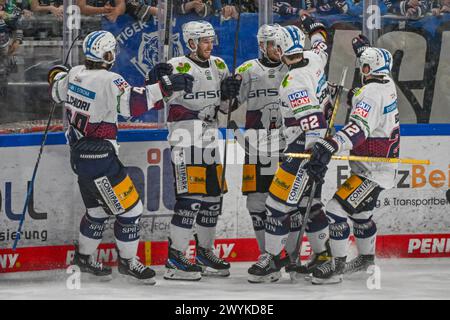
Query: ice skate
point(265, 270)
point(330, 272)
point(134, 270)
point(178, 267)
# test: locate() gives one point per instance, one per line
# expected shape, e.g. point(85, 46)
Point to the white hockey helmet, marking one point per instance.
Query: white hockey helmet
point(196, 30)
point(97, 44)
point(378, 60)
point(266, 33)
point(291, 40)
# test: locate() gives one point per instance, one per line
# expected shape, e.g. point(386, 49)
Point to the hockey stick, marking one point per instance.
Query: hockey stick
point(364, 159)
point(298, 247)
point(236, 43)
point(166, 47)
point(252, 151)
point(44, 139)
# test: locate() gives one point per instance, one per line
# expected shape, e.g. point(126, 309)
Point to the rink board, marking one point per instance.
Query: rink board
point(412, 219)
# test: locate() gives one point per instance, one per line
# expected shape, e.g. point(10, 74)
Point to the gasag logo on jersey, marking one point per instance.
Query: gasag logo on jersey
point(298, 99)
point(210, 94)
point(273, 92)
point(362, 109)
point(121, 84)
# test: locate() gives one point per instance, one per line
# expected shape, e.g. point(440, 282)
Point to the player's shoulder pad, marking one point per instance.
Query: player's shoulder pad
point(181, 64)
point(219, 63)
point(247, 65)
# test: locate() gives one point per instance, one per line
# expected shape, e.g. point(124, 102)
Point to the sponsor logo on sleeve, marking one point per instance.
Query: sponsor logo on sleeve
point(299, 99)
point(121, 84)
point(390, 108)
point(362, 109)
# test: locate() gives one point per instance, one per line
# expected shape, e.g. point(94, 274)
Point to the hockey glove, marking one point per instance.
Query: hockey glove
point(322, 151)
point(351, 94)
point(176, 82)
point(310, 26)
point(359, 44)
point(230, 87)
point(284, 8)
point(157, 72)
point(54, 71)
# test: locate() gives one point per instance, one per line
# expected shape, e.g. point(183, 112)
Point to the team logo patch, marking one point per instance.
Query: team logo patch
point(299, 98)
point(121, 84)
point(362, 109)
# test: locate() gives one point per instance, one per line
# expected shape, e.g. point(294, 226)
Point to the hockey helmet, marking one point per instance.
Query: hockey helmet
point(266, 33)
point(291, 40)
point(195, 30)
point(97, 44)
point(378, 60)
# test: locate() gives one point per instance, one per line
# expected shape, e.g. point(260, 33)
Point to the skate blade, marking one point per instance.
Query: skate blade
point(133, 280)
point(210, 272)
point(273, 277)
point(86, 276)
point(180, 275)
point(296, 277)
point(332, 280)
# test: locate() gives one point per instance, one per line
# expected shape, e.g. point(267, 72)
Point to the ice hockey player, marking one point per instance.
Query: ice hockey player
point(93, 97)
point(304, 96)
point(193, 136)
point(261, 79)
point(372, 130)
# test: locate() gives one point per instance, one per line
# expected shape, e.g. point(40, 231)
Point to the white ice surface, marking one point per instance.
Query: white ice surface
point(400, 279)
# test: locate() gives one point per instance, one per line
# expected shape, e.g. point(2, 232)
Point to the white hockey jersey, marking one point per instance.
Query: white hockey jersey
point(373, 130)
point(187, 110)
point(94, 98)
point(304, 96)
point(259, 95)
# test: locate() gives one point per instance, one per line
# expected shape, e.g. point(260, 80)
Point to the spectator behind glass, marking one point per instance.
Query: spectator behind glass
point(11, 32)
point(199, 7)
point(54, 7)
point(440, 7)
point(413, 8)
point(307, 7)
point(203, 8)
point(110, 9)
point(141, 10)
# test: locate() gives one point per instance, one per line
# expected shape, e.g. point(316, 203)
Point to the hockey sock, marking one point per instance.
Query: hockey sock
point(206, 223)
point(365, 233)
point(92, 226)
point(294, 231)
point(318, 232)
point(277, 230)
point(182, 221)
point(339, 233)
point(126, 232)
point(258, 219)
